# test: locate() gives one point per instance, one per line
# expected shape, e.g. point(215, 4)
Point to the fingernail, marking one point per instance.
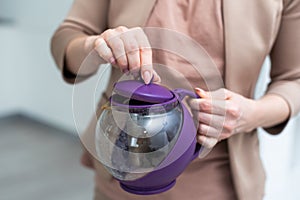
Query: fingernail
point(201, 92)
point(146, 77)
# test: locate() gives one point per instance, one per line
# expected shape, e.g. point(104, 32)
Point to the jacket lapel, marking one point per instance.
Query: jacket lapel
point(250, 28)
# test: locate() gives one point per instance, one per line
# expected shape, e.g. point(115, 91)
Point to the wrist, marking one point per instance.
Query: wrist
point(76, 52)
point(271, 110)
point(258, 113)
point(255, 115)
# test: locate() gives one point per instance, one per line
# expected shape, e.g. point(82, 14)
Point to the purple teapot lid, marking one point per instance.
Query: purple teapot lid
point(138, 90)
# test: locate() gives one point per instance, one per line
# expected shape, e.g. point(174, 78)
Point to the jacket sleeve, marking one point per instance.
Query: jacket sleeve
point(86, 17)
point(285, 61)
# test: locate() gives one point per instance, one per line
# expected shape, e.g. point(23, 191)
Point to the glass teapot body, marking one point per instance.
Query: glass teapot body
point(145, 145)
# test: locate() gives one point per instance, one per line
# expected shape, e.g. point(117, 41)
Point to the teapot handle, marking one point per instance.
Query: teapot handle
point(181, 94)
point(197, 151)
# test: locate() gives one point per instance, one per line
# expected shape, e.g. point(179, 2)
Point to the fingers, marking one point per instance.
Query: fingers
point(221, 123)
point(207, 142)
point(156, 77)
point(209, 131)
point(132, 52)
point(90, 43)
point(129, 49)
point(145, 56)
point(221, 94)
point(218, 113)
point(104, 51)
point(117, 46)
point(202, 93)
point(217, 107)
point(209, 136)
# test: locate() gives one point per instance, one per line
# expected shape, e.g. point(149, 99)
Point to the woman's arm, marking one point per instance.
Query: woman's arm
point(85, 31)
point(77, 50)
point(126, 49)
point(223, 113)
point(85, 18)
point(271, 110)
point(285, 61)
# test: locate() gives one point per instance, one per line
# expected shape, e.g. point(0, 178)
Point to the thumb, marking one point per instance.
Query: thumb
point(222, 94)
point(201, 93)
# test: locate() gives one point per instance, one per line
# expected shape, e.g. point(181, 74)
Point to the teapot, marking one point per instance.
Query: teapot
point(145, 136)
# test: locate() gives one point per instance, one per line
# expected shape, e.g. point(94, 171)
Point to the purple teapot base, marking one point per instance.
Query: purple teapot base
point(162, 179)
point(147, 191)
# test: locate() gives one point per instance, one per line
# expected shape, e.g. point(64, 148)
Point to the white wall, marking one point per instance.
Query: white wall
point(30, 82)
point(8, 99)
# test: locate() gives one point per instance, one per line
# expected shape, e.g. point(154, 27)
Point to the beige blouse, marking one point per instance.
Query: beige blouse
point(201, 20)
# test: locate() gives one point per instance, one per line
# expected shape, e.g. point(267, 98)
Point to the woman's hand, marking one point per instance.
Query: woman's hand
point(127, 49)
point(221, 114)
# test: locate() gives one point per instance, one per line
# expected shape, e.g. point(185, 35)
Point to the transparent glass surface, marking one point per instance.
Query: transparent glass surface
point(191, 67)
point(130, 145)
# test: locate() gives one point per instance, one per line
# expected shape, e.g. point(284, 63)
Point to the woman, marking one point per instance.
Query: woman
point(240, 35)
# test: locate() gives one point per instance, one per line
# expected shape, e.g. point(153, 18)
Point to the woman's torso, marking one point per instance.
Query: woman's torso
point(209, 177)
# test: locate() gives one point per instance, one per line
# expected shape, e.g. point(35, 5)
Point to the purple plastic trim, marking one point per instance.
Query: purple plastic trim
point(178, 95)
point(156, 181)
point(183, 93)
point(138, 90)
point(183, 152)
point(163, 104)
point(184, 140)
point(147, 192)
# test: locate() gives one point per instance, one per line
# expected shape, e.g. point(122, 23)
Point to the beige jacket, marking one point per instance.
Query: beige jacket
point(253, 30)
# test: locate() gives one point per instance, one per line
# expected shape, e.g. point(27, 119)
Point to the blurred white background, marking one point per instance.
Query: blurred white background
point(39, 157)
point(30, 84)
